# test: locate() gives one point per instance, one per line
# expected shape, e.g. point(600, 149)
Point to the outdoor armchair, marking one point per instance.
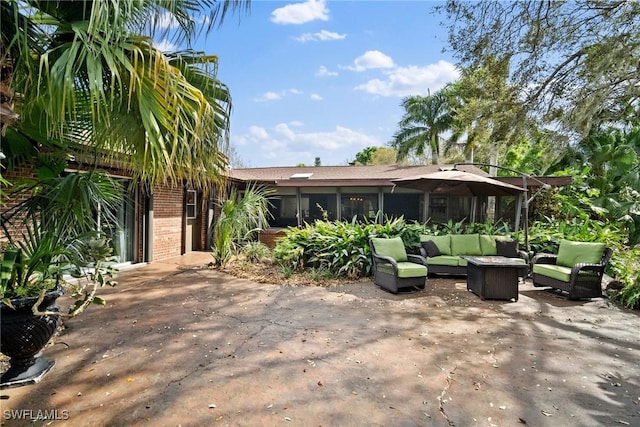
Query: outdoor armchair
point(577, 269)
point(394, 269)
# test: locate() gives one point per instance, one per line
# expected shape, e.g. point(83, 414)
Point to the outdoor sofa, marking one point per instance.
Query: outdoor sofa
point(393, 268)
point(577, 269)
point(444, 253)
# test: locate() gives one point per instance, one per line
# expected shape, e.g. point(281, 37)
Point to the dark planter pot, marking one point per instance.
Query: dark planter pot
point(23, 336)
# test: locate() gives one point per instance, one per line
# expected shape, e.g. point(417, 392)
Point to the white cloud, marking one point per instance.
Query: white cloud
point(322, 36)
point(300, 13)
point(285, 131)
point(270, 96)
point(275, 96)
point(258, 132)
point(166, 46)
point(371, 59)
point(412, 80)
point(324, 72)
point(315, 97)
point(290, 146)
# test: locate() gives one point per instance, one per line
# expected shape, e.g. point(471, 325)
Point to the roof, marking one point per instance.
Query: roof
point(331, 176)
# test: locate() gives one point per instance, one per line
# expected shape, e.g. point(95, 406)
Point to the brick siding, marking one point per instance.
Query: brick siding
point(168, 222)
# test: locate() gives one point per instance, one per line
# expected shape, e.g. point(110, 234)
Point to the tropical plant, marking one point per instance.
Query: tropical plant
point(241, 216)
point(424, 120)
point(85, 79)
point(53, 237)
point(256, 251)
point(340, 247)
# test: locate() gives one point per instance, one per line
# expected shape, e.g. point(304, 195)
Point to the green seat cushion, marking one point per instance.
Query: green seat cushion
point(443, 243)
point(465, 244)
point(571, 253)
point(444, 260)
point(405, 269)
point(557, 272)
point(487, 244)
point(393, 247)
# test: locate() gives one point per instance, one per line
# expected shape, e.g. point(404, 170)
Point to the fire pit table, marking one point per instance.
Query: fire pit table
point(493, 277)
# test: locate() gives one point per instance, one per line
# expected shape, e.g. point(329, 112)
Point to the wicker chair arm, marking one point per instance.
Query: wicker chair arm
point(524, 255)
point(594, 268)
point(416, 259)
point(544, 259)
point(386, 259)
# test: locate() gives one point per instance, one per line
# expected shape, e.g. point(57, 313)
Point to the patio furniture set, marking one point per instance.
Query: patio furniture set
point(492, 265)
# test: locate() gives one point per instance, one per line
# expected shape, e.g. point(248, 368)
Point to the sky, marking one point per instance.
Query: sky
point(324, 78)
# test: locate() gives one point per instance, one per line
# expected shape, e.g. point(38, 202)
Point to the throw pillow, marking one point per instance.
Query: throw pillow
point(507, 248)
point(431, 248)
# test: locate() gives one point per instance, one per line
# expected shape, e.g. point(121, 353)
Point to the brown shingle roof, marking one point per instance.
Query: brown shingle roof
point(380, 175)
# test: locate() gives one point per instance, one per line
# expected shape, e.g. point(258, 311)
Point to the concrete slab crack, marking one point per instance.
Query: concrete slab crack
point(441, 398)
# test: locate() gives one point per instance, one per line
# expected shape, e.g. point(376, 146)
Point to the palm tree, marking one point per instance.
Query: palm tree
point(425, 118)
point(86, 80)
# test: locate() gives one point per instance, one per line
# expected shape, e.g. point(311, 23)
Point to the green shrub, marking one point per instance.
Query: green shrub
point(288, 254)
point(256, 251)
point(340, 247)
point(241, 216)
point(624, 267)
point(629, 295)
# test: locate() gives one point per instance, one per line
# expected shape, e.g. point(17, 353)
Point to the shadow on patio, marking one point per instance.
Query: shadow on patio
point(192, 347)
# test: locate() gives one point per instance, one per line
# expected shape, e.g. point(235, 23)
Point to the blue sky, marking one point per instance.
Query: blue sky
point(324, 78)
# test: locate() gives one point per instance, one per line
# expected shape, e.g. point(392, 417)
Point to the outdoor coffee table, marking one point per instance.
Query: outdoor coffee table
point(493, 277)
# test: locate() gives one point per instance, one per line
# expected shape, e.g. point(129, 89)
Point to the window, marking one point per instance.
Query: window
point(407, 205)
point(314, 205)
point(191, 204)
point(283, 209)
point(359, 205)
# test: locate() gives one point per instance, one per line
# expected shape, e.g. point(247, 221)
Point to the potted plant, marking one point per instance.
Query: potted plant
point(52, 247)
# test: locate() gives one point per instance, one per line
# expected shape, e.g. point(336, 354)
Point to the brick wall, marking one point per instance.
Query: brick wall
point(16, 176)
point(167, 222)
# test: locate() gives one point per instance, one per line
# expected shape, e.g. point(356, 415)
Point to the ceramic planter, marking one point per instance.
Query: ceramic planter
point(23, 336)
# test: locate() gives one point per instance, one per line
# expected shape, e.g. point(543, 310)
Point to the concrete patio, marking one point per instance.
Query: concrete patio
point(182, 345)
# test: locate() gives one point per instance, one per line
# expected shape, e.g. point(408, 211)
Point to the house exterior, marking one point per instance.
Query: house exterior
point(155, 223)
point(166, 221)
point(301, 194)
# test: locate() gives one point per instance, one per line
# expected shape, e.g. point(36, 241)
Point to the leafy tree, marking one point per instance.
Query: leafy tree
point(610, 159)
point(573, 63)
point(364, 157)
point(317, 162)
point(91, 83)
point(384, 156)
point(425, 118)
point(487, 110)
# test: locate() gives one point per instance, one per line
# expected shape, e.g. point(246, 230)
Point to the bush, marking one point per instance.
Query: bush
point(340, 247)
point(256, 251)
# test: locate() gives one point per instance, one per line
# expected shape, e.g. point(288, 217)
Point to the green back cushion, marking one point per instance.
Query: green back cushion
point(488, 244)
point(465, 244)
point(572, 253)
point(443, 243)
point(393, 247)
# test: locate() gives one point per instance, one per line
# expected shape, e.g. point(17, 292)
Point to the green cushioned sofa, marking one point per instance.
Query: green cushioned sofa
point(577, 268)
point(394, 269)
point(453, 246)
